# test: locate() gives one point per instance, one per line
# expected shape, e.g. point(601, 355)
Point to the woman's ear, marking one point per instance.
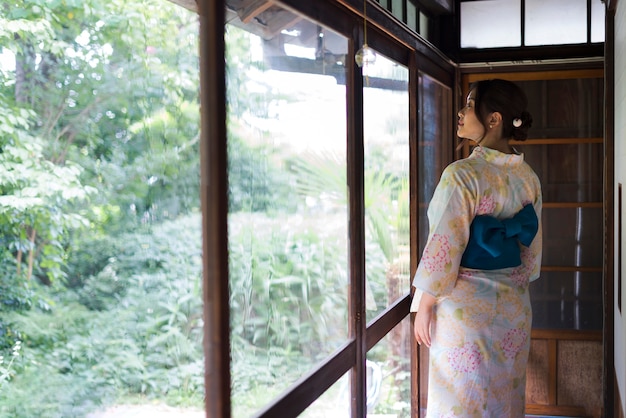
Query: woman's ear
point(495, 119)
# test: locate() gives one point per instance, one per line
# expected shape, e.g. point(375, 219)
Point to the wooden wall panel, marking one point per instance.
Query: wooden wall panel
point(564, 374)
point(537, 381)
point(579, 375)
point(424, 360)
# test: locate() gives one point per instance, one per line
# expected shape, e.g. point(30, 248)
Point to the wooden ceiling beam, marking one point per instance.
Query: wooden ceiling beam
point(252, 8)
point(281, 20)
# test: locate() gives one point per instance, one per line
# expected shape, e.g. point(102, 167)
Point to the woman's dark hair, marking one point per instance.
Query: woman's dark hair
point(506, 98)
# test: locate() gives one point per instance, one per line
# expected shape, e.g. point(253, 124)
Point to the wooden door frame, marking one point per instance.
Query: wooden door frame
point(591, 69)
point(611, 395)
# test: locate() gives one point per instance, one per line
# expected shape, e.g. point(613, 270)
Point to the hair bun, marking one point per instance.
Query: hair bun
point(527, 119)
point(520, 129)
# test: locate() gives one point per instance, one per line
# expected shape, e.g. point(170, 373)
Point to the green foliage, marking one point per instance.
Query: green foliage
point(99, 130)
point(287, 296)
point(6, 365)
point(100, 272)
point(272, 273)
point(15, 294)
point(255, 184)
point(98, 137)
point(386, 194)
point(51, 380)
point(145, 340)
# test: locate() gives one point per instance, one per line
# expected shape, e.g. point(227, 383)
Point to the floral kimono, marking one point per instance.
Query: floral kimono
point(482, 318)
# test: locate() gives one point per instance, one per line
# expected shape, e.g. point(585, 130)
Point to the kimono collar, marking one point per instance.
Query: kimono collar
point(496, 157)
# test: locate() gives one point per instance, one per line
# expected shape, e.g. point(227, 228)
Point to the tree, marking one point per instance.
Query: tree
point(93, 105)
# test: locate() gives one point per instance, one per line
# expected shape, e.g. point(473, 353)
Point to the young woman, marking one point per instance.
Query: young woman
point(484, 247)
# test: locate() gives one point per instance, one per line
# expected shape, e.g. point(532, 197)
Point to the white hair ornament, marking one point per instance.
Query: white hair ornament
point(517, 122)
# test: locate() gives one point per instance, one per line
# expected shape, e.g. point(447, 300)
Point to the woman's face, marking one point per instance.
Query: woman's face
point(469, 126)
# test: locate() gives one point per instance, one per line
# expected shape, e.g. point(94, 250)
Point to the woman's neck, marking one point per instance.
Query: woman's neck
point(497, 143)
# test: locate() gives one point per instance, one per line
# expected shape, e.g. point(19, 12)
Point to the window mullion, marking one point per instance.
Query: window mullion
point(356, 232)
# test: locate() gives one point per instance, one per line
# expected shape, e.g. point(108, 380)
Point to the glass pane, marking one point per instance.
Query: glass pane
point(386, 145)
point(424, 26)
point(396, 9)
point(543, 29)
point(385, 3)
point(503, 28)
point(572, 237)
point(435, 143)
point(287, 207)
point(435, 151)
point(567, 300)
point(411, 16)
point(335, 402)
point(598, 11)
point(574, 172)
point(389, 374)
point(566, 108)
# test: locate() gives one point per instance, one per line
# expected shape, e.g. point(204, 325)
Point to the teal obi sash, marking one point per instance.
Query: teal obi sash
point(493, 244)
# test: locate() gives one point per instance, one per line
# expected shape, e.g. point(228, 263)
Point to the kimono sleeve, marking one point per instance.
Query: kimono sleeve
point(450, 213)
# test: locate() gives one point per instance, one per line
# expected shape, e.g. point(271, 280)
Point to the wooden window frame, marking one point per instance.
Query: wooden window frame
point(523, 53)
point(400, 44)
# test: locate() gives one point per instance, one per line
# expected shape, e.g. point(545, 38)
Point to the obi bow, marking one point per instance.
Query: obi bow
point(493, 244)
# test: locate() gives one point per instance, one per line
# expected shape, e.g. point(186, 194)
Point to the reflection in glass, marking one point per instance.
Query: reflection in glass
point(389, 372)
point(569, 112)
point(335, 402)
point(490, 23)
point(567, 300)
point(435, 143)
point(571, 237)
point(287, 219)
point(386, 173)
point(543, 29)
point(434, 152)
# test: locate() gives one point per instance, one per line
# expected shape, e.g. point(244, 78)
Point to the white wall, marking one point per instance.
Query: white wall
point(620, 177)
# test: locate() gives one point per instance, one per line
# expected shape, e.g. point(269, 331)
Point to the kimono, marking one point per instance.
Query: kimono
point(480, 331)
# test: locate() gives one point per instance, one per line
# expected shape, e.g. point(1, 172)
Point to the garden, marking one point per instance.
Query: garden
point(100, 271)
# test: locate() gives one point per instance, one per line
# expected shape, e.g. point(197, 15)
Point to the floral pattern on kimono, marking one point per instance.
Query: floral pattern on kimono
point(482, 318)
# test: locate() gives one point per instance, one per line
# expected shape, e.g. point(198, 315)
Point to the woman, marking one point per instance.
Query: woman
point(484, 247)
